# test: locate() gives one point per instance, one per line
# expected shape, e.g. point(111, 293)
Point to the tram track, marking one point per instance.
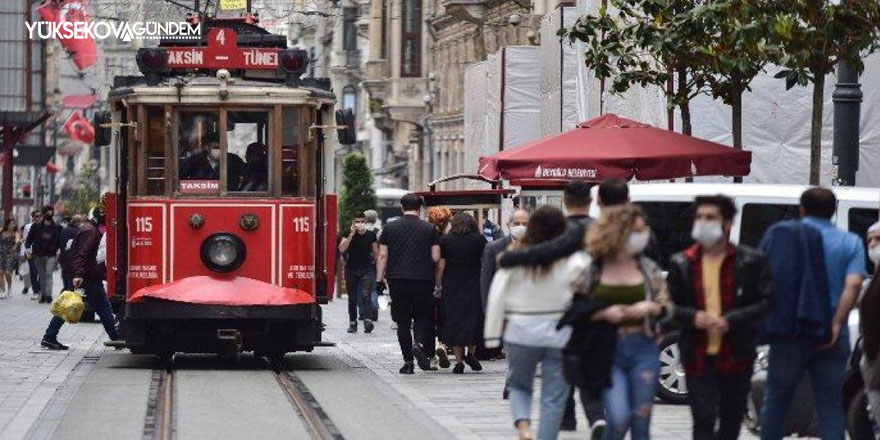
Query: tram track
point(160, 419)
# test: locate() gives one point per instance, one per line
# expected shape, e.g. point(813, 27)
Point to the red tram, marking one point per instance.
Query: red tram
point(221, 228)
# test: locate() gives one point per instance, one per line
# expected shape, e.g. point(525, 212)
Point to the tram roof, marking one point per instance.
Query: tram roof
point(204, 89)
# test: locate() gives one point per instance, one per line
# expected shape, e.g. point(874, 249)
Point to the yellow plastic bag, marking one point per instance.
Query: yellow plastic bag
point(68, 306)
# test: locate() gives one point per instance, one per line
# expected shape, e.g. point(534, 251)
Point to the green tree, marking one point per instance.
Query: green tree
point(357, 193)
point(814, 36)
point(732, 50)
point(85, 195)
point(641, 42)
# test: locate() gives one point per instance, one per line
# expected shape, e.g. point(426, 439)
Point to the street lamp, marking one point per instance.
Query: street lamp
point(847, 99)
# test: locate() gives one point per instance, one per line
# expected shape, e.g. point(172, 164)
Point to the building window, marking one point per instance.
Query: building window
point(384, 44)
point(349, 29)
point(411, 39)
point(349, 98)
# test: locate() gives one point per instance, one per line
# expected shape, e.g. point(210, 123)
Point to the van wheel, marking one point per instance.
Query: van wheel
point(858, 425)
point(673, 386)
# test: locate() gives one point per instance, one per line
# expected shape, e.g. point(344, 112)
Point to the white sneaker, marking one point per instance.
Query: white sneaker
point(597, 430)
point(35, 297)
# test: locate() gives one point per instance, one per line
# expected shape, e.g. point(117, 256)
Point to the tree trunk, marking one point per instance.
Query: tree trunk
point(685, 105)
point(736, 110)
point(816, 128)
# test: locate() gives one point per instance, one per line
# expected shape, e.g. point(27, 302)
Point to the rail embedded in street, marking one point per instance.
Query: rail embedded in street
point(310, 411)
point(159, 421)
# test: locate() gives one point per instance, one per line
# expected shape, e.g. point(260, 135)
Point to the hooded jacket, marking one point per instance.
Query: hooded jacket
point(83, 253)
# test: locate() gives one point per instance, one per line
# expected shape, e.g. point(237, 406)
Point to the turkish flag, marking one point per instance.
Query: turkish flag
point(84, 51)
point(79, 128)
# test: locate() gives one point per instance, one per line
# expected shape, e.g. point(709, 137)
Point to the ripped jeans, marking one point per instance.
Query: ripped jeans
point(633, 384)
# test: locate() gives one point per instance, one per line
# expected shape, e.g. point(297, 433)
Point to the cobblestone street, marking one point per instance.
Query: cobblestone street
point(38, 386)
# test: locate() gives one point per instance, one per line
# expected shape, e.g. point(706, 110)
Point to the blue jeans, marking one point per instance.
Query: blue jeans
point(633, 384)
point(97, 299)
point(360, 283)
point(522, 361)
point(788, 361)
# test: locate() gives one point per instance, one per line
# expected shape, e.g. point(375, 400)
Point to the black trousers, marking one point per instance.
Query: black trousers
point(718, 397)
point(412, 308)
point(593, 408)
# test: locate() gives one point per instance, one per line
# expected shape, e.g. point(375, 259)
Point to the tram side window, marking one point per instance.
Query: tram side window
point(297, 169)
point(154, 155)
point(290, 148)
point(199, 152)
point(247, 158)
point(758, 217)
point(860, 219)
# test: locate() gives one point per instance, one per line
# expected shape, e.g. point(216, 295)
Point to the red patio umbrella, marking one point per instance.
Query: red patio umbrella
point(613, 147)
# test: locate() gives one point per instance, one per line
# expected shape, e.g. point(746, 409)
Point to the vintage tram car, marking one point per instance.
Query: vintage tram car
point(221, 225)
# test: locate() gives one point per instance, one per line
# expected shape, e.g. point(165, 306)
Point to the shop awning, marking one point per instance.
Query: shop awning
point(613, 147)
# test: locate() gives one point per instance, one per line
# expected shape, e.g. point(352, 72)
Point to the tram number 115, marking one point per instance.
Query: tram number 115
point(143, 224)
point(301, 224)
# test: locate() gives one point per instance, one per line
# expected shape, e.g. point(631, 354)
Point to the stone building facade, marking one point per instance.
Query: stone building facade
point(465, 32)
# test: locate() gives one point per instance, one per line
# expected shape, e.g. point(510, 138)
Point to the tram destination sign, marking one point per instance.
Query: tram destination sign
point(223, 52)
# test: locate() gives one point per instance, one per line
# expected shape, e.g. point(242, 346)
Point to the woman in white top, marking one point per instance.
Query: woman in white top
point(532, 299)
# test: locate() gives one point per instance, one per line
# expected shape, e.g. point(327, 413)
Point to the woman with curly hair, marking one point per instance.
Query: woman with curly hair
point(440, 217)
point(632, 290)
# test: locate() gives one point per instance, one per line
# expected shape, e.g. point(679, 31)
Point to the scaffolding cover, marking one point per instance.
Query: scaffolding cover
point(521, 98)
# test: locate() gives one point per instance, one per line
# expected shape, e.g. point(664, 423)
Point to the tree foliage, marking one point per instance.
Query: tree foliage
point(641, 42)
point(85, 195)
point(357, 193)
point(814, 35)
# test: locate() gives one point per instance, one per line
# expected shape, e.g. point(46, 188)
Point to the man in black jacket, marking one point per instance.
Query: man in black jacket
point(44, 241)
point(88, 275)
point(721, 292)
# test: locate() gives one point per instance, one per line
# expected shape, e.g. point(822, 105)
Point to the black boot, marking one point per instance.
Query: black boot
point(353, 327)
point(52, 344)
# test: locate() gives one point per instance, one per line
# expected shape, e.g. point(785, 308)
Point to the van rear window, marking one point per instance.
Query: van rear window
point(758, 217)
point(860, 219)
point(671, 223)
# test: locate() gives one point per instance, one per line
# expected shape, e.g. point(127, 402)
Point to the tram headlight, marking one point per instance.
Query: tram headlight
point(223, 252)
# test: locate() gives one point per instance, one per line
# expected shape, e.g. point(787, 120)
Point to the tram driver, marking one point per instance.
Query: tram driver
point(204, 164)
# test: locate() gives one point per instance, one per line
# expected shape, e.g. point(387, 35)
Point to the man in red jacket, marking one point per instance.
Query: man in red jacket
point(87, 275)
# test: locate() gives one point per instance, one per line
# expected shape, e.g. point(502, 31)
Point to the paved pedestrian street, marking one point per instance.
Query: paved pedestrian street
point(94, 392)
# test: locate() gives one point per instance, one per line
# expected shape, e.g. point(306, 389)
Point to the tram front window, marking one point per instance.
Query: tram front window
point(247, 164)
point(199, 152)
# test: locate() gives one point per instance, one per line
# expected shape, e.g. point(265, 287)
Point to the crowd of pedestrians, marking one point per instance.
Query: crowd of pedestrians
point(76, 246)
point(586, 300)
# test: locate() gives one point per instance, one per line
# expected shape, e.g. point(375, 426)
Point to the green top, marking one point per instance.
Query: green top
point(624, 295)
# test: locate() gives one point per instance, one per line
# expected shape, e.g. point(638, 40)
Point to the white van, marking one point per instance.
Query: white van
point(669, 207)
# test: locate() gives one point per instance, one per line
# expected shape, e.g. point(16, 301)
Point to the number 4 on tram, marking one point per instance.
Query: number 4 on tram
point(221, 225)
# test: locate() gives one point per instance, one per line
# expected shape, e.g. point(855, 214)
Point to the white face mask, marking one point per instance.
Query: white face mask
point(637, 242)
point(371, 226)
point(874, 254)
point(518, 231)
point(707, 232)
point(214, 154)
